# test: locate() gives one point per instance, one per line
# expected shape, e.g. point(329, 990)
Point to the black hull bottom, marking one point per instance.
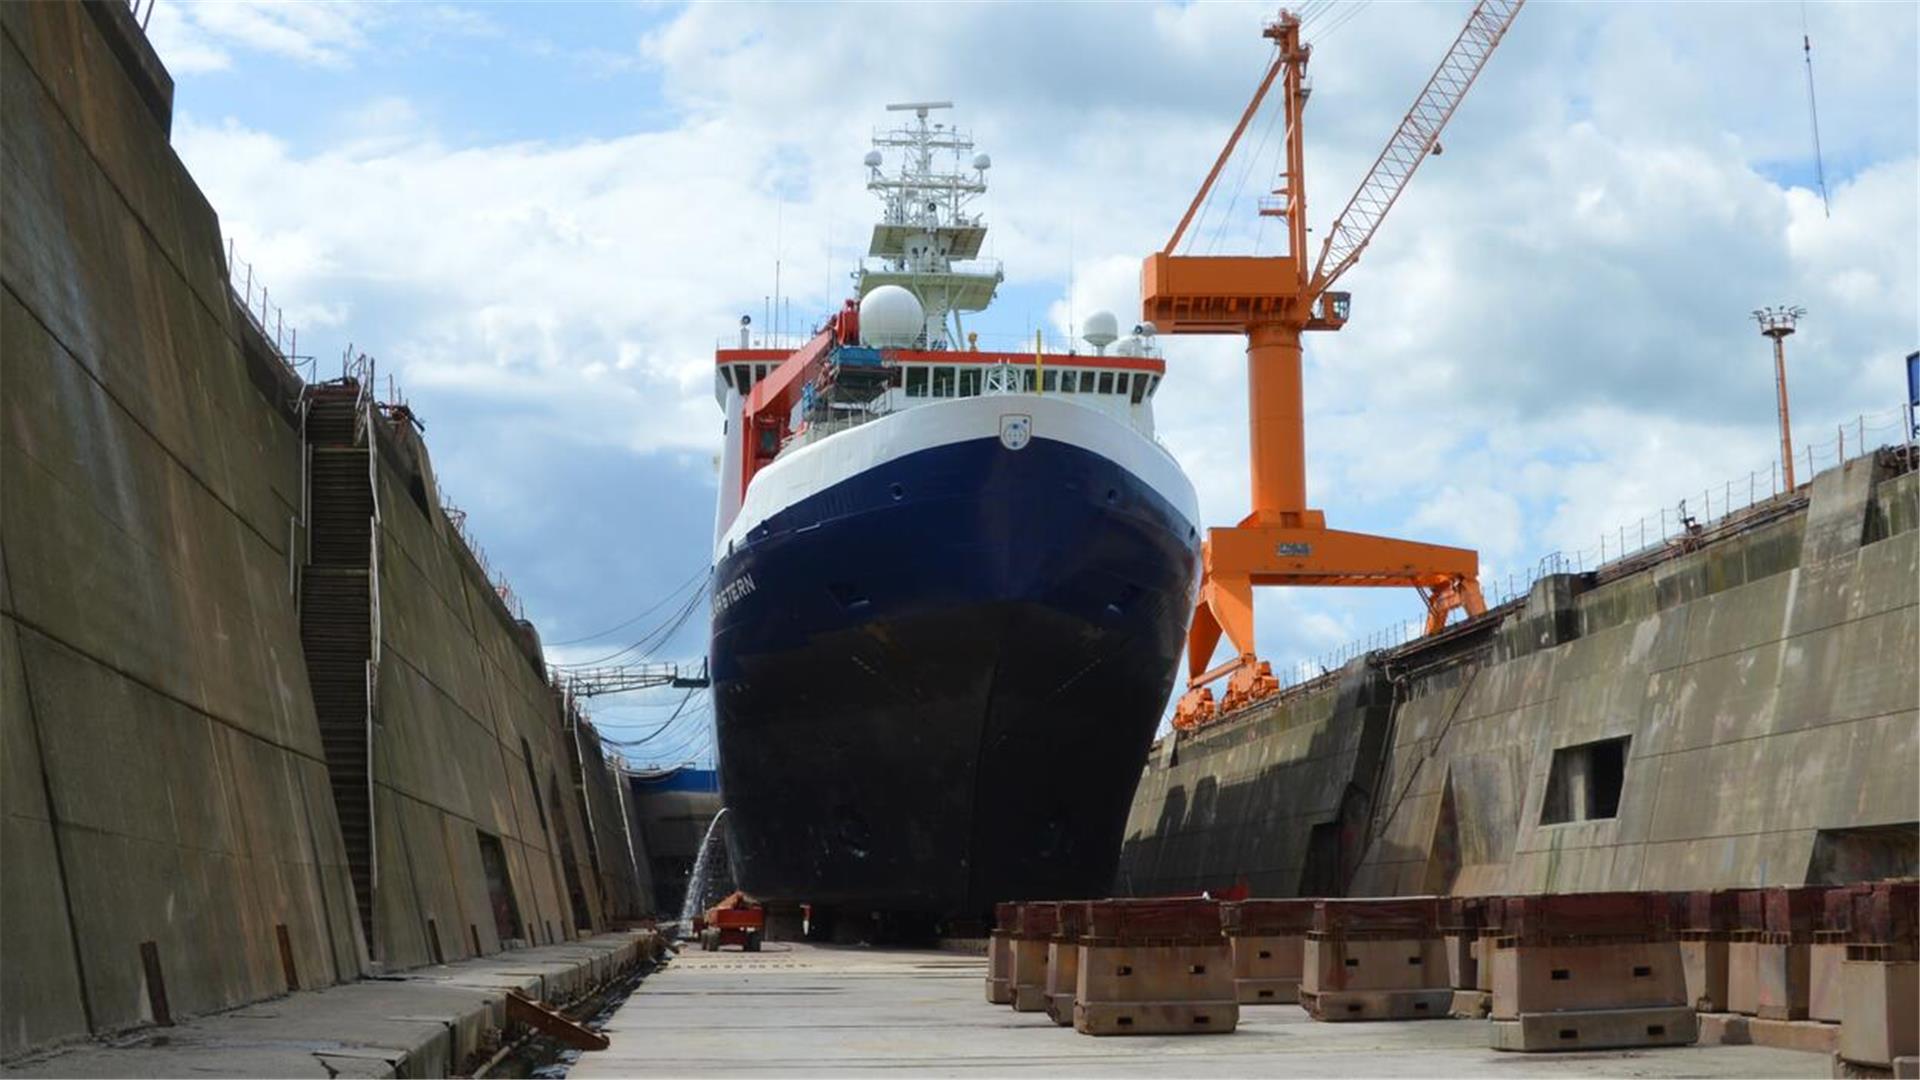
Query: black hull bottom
point(938, 705)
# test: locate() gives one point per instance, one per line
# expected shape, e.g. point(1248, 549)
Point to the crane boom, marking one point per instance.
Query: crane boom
point(1274, 301)
point(1416, 137)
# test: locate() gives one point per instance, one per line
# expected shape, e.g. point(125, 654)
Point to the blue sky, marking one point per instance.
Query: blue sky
point(541, 217)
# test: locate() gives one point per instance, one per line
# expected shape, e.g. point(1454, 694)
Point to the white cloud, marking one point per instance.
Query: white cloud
point(1550, 335)
point(202, 36)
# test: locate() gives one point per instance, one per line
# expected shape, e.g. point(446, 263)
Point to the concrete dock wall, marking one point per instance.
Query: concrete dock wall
point(467, 742)
point(1743, 714)
point(163, 780)
point(169, 827)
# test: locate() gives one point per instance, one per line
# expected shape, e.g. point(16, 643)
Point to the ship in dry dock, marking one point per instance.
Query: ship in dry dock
point(940, 572)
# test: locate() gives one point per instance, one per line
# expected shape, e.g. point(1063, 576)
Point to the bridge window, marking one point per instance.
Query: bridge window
point(969, 382)
point(1049, 380)
point(1139, 388)
point(1106, 382)
point(745, 379)
point(1154, 386)
point(760, 373)
point(1069, 382)
point(943, 382)
point(916, 382)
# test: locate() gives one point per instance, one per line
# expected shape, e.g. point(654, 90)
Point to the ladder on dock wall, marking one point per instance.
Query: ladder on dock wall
point(339, 614)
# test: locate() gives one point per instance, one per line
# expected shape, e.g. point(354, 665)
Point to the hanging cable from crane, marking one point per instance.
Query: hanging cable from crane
point(1813, 110)
point(650, 609)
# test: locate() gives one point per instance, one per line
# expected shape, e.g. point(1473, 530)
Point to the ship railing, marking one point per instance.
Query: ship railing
point(1716, 510)
point(787, 341)
point(815, 430)
point(142, 11)
point(1052, 343)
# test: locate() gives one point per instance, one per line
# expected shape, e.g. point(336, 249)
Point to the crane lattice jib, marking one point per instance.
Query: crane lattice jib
point(1415, 139)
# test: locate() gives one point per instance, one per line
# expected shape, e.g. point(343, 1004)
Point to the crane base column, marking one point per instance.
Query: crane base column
point(1237, 560)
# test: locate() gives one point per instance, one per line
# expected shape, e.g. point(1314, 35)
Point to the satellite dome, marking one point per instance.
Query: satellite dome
point(1129, 346)
point(891, 318)
point(873, 159)
point(982, 162)
point(1100, 330)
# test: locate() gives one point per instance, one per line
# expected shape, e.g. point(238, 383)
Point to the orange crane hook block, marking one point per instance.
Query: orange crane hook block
point(1272, 300)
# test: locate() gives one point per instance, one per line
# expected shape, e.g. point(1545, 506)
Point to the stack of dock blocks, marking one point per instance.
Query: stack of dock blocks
point(1880, 980)
point(1376, 960)
point(1587, 971)
point(1463, 924)
point(1268, 939)
point(1000, 955)
point(1063, 961)
point(1704, 922)
point(1115, 967)
point(1030, 940)
point(1559, 972)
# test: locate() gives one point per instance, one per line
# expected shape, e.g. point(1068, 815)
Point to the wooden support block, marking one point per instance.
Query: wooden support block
point(1595, 1029)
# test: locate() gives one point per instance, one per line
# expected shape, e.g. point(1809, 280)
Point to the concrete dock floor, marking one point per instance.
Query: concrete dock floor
point(797, 1009)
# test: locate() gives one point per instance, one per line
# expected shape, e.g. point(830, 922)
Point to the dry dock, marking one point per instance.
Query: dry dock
point(808, 1010)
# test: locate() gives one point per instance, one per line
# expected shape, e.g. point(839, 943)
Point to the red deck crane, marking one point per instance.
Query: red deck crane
point(1273, 300)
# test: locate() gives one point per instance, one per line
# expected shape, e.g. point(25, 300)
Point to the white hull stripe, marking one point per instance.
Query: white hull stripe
point(818, 466)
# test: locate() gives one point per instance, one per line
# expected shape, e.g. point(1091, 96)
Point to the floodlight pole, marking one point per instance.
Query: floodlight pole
point(1777, 323)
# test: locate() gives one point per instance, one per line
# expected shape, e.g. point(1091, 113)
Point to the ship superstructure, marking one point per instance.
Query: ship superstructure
point(940, 571)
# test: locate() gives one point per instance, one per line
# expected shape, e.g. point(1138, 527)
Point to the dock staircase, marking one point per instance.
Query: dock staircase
point(339, 613)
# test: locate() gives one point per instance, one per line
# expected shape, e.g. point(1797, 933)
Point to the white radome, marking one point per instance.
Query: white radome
point(982, 162)
point(873, 159)
point(891, 318)
point(1101, 329)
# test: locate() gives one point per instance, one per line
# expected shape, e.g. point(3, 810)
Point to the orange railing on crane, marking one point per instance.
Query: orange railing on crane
point(1272, 300)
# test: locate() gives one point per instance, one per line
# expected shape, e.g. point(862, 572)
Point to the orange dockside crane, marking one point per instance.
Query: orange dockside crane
point(1272, 300)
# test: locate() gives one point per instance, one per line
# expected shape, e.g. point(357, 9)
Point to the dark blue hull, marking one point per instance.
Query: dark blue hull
point(935, 683)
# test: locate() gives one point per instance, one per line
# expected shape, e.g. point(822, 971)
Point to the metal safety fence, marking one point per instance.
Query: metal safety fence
point(1693, 515)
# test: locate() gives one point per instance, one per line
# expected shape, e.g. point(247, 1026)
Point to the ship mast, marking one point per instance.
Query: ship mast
point(926, 241)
